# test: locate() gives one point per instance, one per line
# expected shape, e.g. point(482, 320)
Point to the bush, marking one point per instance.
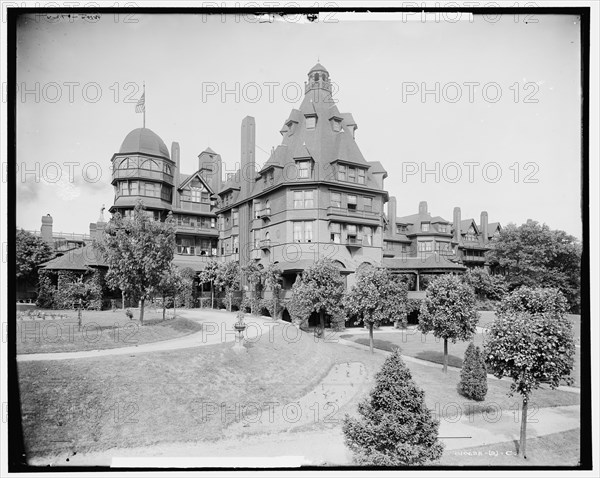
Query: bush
point(396, 427)
point(45, 296)
point(473, 376)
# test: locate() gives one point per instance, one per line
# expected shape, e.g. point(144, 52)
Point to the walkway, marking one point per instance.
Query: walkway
point(217, 329)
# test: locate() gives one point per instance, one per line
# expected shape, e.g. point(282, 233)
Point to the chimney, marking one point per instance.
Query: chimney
point(247, 167)
point(484, 226)
point(456, 223)
point(46, 230)
point(392, 213)
point(93, 231)
point(175, 158)
point(423, 207)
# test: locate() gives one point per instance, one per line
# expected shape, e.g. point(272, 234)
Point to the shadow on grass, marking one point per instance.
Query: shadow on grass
point(438, 357)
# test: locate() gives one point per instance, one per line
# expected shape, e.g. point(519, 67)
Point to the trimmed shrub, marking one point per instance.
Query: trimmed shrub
point(396, 427)
point(473, 375)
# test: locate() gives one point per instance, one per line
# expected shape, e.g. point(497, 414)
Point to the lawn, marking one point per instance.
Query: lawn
point(100, 330)
point(556, 449)
point(426, 347)
point(190, 395)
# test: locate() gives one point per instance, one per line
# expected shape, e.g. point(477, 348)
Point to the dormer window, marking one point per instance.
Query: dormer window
point(336, 124)
point(290, 125)
point(442, 228)
point(425, 227)
point(303, 169)
point(311, 121)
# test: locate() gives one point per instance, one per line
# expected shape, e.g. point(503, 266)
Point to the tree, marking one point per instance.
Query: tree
point(174, 282)
point(228, 280)
point(138, 252)
point(448, 310)
point(486, 285)
point(473, 375)
point(531, 347)
point(31, 251)
point(536, 256)
point(396, 427)
point(376, 298)
point(272, 278)
point(534, 301)
point(300, 305)
point(254, 276)
point(209, 275)
point(324, 287)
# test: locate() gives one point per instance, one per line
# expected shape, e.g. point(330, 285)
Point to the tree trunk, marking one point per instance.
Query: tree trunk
point(371, 336)
point(79, 314)
point(174, 306)
point(274, 307)
point(164, 306)
point(212, 295)
point(230, 301)
point(122, 300)
point(523, 437)
point(142, 310)
point(445, 355)
point(322, 317)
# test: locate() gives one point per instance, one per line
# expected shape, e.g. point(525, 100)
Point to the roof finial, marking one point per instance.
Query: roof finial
point(101, 218)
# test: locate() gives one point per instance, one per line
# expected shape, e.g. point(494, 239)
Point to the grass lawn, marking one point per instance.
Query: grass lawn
point(190, 395)
point(100, 330)
point(125, 401)
point(556, 449)
point(426, 347)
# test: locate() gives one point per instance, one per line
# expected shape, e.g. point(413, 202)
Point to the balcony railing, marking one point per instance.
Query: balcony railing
point(349, 212)
point(354, 241)
point(142, 174)
point(264, 213)
point(265, 244)
point(196, 228)
point(474, 258)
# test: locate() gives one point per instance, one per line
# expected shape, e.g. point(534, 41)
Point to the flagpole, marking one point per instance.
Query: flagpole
point(144, 83)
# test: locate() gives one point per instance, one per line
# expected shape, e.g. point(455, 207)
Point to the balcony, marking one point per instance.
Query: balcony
point(265, 244)
point(476, 259)
point(137, 173)
point(345, 212)
point(196, 229)
point(355, 242)
point(264, 213)
point(256, 254)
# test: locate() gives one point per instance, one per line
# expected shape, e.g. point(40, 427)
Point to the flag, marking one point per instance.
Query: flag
point(141, 104)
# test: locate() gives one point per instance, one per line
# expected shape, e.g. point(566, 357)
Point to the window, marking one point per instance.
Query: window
point(351, 201)
point(425, 227)
point(236, 217)
point(151, 165)
point(336, 199)
point(361, 176)
point(167, 169)
point(267, 237)
point(368, 235)
point(302, 231)
point(400, 228)
point(185, 245)
point(128, 163)
point(257, 209)
point(351, 230)
point(267, 208)
point(425, 246)
point(268, 178)
point(337, 125)
point(303, 169)
point(236, 244)
point(213, 223)
point(335, 233)
point(442, 228)
point(311, 122)
point(303, 199)
point(342, 172)
point(471, 236)
point(291, 125)
point(368, 204)
point(442, 246)
point(150, 189)
point(165, 193)
point(352, 175)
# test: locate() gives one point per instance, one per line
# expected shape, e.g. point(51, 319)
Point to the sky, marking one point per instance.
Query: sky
point(502, 134)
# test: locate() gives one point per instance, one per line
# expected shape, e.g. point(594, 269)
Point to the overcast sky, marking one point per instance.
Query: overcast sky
point(531, 134)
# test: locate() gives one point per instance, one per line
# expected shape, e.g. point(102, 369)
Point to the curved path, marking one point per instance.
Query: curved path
point(217, 328)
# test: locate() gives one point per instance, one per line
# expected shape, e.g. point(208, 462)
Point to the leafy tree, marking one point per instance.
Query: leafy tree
point(536, 256)
point(534, 301)
point(396, 427)
point(138, 252)
point(209, 275)
point(45, 297)
point(31, 251)
point(254, 276)
point(486, 285)
point(175, 281)
point(531, 347)
point(473, 375)
point(376, 298)
point(300, 305)
point(448, 310)
point(323, 288)
point(272, 278)
point(228, 280)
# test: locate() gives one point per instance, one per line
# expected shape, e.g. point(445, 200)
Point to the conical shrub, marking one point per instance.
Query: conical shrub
point(473, 376)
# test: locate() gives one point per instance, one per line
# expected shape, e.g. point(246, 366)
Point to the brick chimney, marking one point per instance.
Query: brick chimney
point(484, 226)
point(46, 229)
point(176, 178)
point(209, 163)
point(247, 167)
point(456, 224)
point(423, 207)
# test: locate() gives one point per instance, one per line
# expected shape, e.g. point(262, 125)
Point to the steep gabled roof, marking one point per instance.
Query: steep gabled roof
point(81, 259)
point(465, 224)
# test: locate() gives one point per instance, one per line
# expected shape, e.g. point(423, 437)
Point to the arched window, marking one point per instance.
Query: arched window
point(128, 163)
point(167, 169)
point(150, 164)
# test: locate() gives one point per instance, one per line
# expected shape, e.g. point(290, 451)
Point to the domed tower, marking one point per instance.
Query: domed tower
point(318, 78)
point(143, 170)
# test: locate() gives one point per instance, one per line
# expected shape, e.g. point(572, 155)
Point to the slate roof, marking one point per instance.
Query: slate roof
point(81, 259)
